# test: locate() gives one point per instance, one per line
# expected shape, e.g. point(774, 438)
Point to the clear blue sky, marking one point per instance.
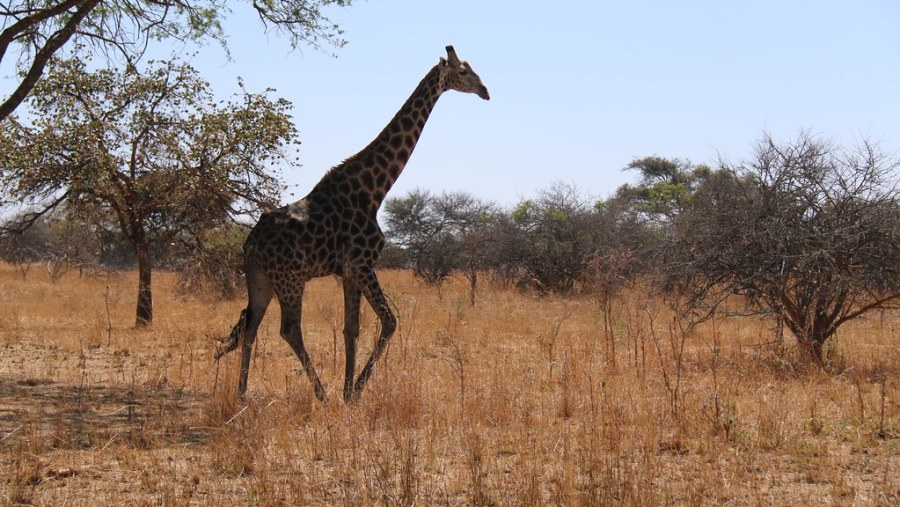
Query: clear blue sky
point(578, 88)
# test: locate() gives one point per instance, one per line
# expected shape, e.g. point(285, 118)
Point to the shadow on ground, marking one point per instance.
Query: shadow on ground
point(81, 416)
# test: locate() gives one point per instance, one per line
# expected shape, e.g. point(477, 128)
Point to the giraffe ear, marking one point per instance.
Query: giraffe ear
point(451, 55)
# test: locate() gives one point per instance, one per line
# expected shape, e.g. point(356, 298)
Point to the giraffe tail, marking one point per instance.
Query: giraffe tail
point(231, 342)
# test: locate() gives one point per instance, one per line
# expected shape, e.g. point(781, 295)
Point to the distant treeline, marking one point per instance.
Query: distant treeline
point(806, 232)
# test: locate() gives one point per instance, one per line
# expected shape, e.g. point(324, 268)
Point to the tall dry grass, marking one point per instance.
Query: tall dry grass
point(515, 401)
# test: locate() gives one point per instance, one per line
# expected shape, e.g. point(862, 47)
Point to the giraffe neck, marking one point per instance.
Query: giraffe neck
point(377, 166)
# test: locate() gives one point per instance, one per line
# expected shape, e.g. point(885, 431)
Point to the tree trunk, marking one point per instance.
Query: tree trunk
point(810, 339)
point(813, 350)
point(144, 314)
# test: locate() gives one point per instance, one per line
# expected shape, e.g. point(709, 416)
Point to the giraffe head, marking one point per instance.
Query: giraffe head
point(459, 76)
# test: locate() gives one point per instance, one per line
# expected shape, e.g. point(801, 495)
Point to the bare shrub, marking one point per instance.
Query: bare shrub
point(807, 232)
point(214, 265)
point(57, 267)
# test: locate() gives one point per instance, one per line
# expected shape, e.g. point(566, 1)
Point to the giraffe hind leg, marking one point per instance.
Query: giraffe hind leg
point(291, 314)
point(232, 341)
point(243, 334)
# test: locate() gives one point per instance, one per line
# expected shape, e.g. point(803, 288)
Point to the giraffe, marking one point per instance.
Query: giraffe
point(334, 231)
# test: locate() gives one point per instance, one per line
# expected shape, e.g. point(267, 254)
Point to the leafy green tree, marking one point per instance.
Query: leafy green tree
point(548, 243)
point(665, 189)
point(36, 30)
point(152, 153)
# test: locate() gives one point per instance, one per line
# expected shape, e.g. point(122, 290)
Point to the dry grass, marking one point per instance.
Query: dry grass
point(513, 402)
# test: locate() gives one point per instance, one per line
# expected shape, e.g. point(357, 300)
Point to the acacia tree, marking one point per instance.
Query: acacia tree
point(35, 30)
point(807, 232)
point(665, 189)
point(549, 243)
point(151, 153)
point(441, 234)
point(475, 226)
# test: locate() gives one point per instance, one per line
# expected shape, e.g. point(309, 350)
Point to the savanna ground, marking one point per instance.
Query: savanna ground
point(517, 401)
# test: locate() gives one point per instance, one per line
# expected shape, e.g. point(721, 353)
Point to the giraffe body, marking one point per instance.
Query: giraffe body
point(334, 231)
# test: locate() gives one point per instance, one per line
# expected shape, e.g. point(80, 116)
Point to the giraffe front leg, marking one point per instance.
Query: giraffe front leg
point(375, 297)
point(351, 334)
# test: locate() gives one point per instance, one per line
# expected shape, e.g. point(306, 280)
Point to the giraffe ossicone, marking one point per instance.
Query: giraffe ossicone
point(334, 231)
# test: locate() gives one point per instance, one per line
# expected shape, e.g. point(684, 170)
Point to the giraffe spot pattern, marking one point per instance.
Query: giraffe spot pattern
point(334, 230)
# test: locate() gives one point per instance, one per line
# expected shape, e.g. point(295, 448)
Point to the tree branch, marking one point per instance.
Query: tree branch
point(54, 42)
point(28, 22)
point(26, 220)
